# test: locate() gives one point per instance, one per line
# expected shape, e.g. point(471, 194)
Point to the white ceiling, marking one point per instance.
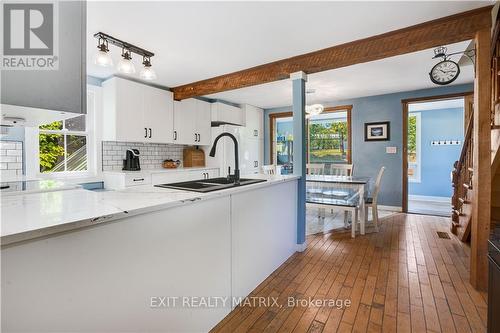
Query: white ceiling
point(402, 73)
point(198, 40)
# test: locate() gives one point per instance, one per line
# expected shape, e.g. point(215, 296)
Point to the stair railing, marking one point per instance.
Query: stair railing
point(462, 180)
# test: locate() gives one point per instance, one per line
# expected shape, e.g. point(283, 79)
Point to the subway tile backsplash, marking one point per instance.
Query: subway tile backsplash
point(151, 154)
point(11, 159)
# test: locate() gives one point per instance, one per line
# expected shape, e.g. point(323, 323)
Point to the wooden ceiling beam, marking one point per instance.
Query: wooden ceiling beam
point(442, 31)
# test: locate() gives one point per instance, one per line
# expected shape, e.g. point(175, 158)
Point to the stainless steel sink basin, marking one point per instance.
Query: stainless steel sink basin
point(209, 185)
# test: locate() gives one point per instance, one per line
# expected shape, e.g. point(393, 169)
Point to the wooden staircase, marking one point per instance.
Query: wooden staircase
point(463, 192)
point(461, 214)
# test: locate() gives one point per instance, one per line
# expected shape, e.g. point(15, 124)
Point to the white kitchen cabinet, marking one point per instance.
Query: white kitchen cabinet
point(183, 175)
point(256, 249)
point(254, 127)
point(192, 122)
point(134, 112)
point(117, 180)
point(158, 115)
point(227, 114)
point(203, 174)
point(252, 156)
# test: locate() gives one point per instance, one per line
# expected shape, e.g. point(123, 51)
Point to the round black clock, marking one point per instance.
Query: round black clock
point(444, 72)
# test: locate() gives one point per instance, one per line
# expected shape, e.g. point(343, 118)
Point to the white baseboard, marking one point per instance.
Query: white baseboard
point(300, 247)
point(396, 209)
point(429, 198)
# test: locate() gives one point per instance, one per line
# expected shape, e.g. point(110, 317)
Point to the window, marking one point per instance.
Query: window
point(329, 138)
point(414, 155)
point(63, 146)
point(284, 143)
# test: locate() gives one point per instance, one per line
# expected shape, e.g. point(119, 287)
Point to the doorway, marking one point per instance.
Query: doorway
point(433, 134)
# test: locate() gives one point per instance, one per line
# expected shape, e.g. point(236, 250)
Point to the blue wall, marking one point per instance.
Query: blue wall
point(437, 161)
point(368, 157)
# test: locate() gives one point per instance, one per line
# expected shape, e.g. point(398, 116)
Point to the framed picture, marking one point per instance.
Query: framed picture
point(380, 131)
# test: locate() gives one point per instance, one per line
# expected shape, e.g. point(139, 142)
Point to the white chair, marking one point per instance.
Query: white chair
point(315, 169)
point(269, 169)
point(341, 169)
point(371, 201)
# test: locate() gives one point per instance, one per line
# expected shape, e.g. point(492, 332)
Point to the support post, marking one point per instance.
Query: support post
point(299, 152)
point(481, 178)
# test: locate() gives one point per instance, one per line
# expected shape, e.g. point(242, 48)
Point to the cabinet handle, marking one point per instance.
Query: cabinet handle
point(255, 133)
point(195, 137)
point(175, 135)
point(199, 137)
point(146, 132)
point(150, 132)
point(138, 179)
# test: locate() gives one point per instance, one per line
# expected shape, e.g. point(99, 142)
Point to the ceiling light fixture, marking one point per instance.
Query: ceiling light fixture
point(125, 65)
point(314, 110)
point(102, 57)
point(147, 73)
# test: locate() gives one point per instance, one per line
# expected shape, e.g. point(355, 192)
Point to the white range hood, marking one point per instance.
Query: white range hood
point(22, 116)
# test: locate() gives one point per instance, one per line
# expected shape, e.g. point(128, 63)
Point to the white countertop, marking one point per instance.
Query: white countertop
point(32, 215)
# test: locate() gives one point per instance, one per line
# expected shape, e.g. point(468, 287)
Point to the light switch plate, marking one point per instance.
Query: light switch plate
point(391, 150)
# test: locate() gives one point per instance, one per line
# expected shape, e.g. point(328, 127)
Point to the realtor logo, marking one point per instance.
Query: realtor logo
point(29, 36)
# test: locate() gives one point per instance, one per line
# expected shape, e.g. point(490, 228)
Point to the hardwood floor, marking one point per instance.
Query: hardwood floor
point(402, 279)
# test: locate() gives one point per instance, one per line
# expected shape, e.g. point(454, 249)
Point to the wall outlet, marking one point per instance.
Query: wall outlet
point(391, 150)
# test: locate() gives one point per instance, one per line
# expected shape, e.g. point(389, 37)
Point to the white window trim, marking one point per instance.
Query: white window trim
point(418, 142)
point(94, 95)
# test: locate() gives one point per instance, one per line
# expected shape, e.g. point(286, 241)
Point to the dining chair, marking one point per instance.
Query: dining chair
point(269, 169)
point(315, 169)
point(341, 169)
point(371, 201)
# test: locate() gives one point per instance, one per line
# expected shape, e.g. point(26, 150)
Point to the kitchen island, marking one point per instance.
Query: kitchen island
point(77, 260)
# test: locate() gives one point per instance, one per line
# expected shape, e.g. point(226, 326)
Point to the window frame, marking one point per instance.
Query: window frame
point(339, 108)
point(418, 144)
point(92, 130)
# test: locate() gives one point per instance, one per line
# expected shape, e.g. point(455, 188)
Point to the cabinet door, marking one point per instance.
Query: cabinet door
point(254, 122)
point(129, 110)
point(185, 122)
point(203, 123)
point(159, 115)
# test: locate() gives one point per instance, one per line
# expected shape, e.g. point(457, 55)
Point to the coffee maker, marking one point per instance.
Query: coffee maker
point(131, 161)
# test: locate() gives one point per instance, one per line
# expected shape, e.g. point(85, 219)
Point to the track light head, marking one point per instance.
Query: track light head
point(147, 73)
point(102, 57)
point(126, 66)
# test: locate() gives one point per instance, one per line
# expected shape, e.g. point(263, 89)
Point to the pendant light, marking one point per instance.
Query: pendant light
point(147, 73)
point(126, 66)
point(102, 57)
point(314, 110)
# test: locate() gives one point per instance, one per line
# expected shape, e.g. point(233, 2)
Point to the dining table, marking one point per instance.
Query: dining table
point(346, 192)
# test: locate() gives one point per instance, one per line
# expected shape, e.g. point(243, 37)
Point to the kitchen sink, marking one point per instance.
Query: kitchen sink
point(209, 185)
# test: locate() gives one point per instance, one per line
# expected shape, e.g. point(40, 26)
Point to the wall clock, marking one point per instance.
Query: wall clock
point(444, 72)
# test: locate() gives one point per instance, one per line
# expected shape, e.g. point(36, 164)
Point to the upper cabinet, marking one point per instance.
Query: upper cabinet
point(136, 112)
point(227, 114)
point(63, 89)
point(254, 127)
point(192, 122)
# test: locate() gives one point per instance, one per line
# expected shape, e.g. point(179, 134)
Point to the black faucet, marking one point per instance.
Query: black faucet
point(236, 176)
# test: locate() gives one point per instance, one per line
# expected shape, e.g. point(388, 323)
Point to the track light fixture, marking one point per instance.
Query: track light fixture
point(125, 65)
